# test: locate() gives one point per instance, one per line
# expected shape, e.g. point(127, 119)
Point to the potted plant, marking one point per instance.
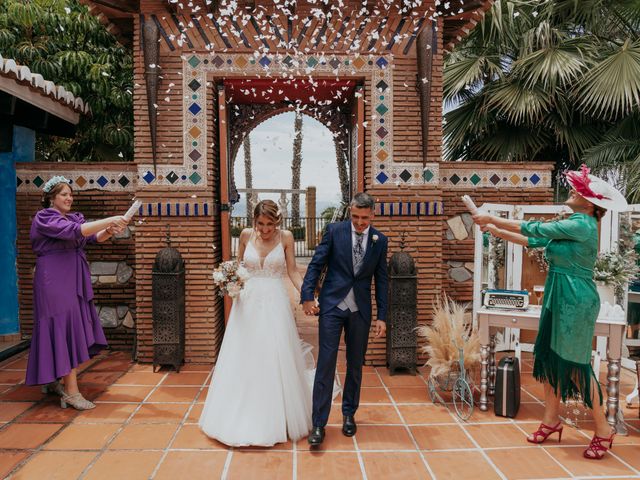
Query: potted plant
point(612, 272)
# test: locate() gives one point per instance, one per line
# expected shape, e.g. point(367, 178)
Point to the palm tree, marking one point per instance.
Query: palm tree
point(295, 168)
point(248, 175)
point(556, 80)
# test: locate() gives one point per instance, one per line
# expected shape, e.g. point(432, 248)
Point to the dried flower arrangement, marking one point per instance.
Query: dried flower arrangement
point(446, 335)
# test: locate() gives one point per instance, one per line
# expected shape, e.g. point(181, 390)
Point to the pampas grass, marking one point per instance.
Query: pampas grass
point(446, 335)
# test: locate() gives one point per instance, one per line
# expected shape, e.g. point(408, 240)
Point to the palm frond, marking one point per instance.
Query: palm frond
point(512, 99)
point(612, 87)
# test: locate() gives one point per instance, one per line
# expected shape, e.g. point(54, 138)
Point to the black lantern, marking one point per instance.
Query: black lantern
point(168, 307)
point(402, 313)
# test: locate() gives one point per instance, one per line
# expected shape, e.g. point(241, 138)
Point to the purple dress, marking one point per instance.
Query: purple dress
point(66, 327)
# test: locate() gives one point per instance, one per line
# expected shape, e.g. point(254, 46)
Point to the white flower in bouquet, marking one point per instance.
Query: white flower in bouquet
point(243, 273)
point(234, 289)
point(218, 277)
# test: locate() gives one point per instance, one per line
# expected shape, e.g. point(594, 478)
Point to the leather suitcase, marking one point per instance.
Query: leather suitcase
point(507, 392)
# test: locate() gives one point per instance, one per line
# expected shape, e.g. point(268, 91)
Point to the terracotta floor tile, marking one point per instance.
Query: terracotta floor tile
point(55, 465)
point(27, 435)
point(490, 436)
point(11, 376)
point(571, 458)
point(49, 412)
point(459, 465)
point(186, 379)
point(377, 437)
point(196, 367)
point(106, 413)
point(628, 453)
point(160, 413)
point(19, 364)
point(111, 365)
point(143, 436)
point(374, 395)
point(404, 465)
point(478, 416)
point(103, 378)
point(142, 367)
point(428, 413)
point(124, 465)
point(192, 465)
point(140, 378)
point(194, 414)
point(333, 440)
point(122, 393)
point(190, 436)
point(403, 380)
point(368, 415)
point(9, 460)
point(441, 437)
point(328, 465)
point(410, 394)
point(526, 463)
point(262, 465)
point(23, 393)
point(174, 394)
point(530, 412)
point(83, 437)
point(10, 410)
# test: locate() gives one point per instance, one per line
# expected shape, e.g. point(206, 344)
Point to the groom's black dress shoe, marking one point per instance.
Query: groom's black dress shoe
point(349, 426)
point(316, 437)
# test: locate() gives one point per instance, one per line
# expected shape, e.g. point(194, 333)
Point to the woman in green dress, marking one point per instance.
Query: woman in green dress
point(562, 352)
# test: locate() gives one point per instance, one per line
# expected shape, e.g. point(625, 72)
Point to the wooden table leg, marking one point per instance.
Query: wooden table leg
point(492, 366)
point(484, 376)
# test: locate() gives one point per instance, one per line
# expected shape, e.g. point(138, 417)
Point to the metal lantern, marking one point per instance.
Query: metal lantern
point(168, 307)
point(402, 313)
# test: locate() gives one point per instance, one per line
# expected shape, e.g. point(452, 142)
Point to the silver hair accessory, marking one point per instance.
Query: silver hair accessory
point(53, 181)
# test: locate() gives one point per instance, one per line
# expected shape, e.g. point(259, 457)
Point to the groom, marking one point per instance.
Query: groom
point(354, 252)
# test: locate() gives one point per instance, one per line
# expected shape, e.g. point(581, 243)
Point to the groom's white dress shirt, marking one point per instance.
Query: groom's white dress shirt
point(349, 302)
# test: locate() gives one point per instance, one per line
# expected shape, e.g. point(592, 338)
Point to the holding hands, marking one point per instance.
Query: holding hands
point(117, 224)
point(310, 307)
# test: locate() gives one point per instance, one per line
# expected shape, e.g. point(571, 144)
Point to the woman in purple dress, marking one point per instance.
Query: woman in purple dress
point(66, 329)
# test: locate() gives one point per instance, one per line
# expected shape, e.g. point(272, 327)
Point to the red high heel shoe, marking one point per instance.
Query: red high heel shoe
point(543, 432)
point(596, 450)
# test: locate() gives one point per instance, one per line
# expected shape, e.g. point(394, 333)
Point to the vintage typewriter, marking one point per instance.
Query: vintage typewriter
point(511, 299)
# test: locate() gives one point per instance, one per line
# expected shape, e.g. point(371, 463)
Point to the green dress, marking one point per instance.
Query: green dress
point(571, 304)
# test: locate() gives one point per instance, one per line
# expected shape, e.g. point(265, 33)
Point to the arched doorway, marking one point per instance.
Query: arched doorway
point(245, 103)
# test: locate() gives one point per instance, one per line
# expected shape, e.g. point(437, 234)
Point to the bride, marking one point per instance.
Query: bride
point(260, 392)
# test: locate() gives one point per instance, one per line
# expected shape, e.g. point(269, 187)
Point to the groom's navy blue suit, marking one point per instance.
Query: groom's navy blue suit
point(335, 251)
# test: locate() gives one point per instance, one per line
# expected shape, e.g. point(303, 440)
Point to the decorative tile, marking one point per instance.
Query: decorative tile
point(148, 177)
point(195, 108)
point(85, 179)
point(460, 177)
point(194, 85)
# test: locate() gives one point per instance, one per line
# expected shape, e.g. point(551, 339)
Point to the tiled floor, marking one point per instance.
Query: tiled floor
point(145, 426)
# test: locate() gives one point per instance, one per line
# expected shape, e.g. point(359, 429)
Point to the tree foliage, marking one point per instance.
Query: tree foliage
point(63, 42)
point(556, 81)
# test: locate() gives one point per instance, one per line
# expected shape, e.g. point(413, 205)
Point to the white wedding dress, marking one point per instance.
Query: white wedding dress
point(261, 388)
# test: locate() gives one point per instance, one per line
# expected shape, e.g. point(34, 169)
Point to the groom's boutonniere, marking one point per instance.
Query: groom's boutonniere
point(374, 238)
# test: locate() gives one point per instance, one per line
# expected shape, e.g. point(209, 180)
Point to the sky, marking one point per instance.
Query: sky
point(272, 152)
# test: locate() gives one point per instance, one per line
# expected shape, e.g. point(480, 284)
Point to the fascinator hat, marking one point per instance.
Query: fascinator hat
point(596, 190)
point(53, 181)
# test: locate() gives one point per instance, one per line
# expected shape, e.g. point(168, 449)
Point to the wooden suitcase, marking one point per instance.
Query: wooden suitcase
point(507, 393)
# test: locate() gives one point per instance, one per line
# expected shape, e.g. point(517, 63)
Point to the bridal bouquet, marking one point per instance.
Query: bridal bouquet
point(230, 277)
